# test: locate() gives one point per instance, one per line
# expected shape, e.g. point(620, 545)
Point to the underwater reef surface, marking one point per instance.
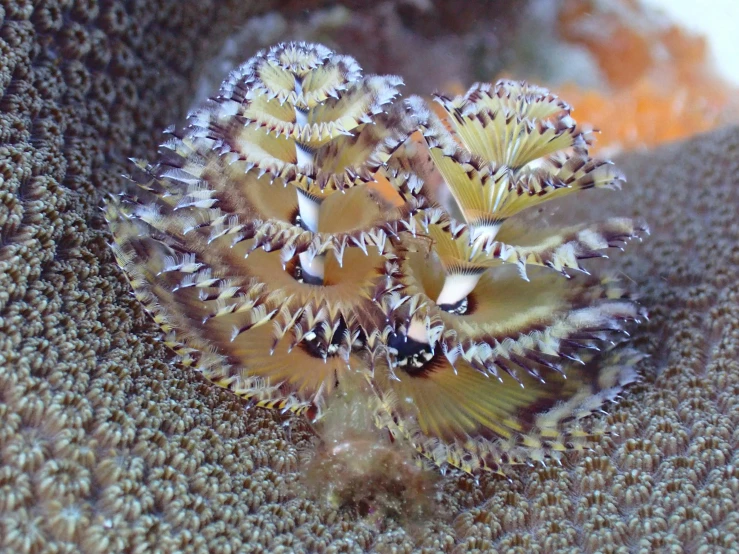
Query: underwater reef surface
point(108, 446)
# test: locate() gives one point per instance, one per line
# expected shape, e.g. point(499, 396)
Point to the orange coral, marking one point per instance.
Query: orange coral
point(645, 114)
point(660, 85)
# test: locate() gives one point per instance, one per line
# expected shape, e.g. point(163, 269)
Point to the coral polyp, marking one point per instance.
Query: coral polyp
point(310, 236)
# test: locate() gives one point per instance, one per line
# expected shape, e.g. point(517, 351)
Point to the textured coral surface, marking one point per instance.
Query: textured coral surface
point(105, 446)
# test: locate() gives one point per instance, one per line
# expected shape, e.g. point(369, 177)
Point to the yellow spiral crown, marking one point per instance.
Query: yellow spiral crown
point(309, 234)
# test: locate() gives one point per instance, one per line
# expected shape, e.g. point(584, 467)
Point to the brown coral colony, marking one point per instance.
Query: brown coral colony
point(310, 232)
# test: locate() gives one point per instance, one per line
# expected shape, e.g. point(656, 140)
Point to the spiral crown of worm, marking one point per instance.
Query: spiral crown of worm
point(309, 232)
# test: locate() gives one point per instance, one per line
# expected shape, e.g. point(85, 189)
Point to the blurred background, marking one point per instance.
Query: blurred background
point(644, 71)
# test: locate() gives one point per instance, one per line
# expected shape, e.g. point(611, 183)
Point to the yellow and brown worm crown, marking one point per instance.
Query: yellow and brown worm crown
point(309, 232)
